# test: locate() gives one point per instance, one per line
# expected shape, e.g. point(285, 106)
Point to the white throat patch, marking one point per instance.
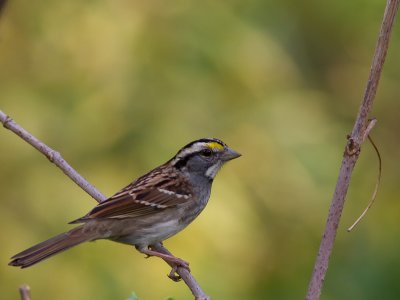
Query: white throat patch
point(213, 170)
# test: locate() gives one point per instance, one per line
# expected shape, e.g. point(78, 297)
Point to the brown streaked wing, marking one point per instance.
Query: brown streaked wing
point(135, 201)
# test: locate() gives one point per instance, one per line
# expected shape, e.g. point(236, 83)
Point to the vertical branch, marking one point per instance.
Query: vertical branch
point(376, 68)
point(352, 151)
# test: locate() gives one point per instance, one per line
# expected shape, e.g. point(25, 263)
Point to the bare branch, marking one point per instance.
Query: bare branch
point(25, 292)
point(52, 155)
point(351, 153)
point(57, 159)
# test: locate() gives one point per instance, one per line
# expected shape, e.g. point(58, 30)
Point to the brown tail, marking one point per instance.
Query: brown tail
point(50, 247)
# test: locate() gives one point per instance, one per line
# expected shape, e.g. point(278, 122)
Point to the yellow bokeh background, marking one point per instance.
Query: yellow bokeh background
point(117, 87)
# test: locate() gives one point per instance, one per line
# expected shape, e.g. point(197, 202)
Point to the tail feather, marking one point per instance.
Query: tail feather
point(50, 247)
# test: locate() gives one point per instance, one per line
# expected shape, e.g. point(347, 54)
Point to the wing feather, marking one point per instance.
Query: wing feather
point(149, 194)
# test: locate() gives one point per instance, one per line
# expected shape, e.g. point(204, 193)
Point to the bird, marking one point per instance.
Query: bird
point(149, 210)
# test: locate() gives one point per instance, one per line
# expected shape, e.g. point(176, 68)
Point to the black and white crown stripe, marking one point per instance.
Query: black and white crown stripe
point(193, 148)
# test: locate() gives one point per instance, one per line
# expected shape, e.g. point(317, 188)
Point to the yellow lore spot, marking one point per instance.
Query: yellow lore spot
point(215, 145)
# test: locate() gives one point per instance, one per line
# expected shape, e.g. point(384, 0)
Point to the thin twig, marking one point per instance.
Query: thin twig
point(57, 159)
point(351, 154)
point(25, 292)
point(378, 182)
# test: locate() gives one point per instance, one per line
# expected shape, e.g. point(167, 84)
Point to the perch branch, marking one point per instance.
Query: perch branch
point(57, 159)
point(352, 151)
point(185, 275)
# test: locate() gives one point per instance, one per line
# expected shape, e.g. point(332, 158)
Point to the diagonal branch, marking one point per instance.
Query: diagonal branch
point(185, 275)
point(56, 158)
point(53, 156)
point(352, 151)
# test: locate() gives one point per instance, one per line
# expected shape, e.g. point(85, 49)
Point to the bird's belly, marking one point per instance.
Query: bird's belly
point(152, 234)
point(153, 229)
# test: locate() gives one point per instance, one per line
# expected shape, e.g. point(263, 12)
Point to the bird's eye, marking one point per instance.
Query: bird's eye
point(206, 152)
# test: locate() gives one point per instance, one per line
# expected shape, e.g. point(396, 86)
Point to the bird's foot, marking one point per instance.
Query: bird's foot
point(177, 263)
point(173, 261)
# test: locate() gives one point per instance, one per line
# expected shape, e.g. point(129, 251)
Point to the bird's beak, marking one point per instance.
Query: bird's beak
point(230, 154)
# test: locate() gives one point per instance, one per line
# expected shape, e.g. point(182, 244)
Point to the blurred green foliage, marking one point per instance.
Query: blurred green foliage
point(119, 86)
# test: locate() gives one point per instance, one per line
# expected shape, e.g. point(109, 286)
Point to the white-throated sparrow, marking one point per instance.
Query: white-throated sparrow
point(151, 209)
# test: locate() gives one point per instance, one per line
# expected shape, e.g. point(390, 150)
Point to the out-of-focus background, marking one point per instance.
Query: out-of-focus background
point(119, 86)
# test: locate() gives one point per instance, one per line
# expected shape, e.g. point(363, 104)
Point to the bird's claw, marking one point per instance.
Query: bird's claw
point(178, 263)
point(173, 275)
